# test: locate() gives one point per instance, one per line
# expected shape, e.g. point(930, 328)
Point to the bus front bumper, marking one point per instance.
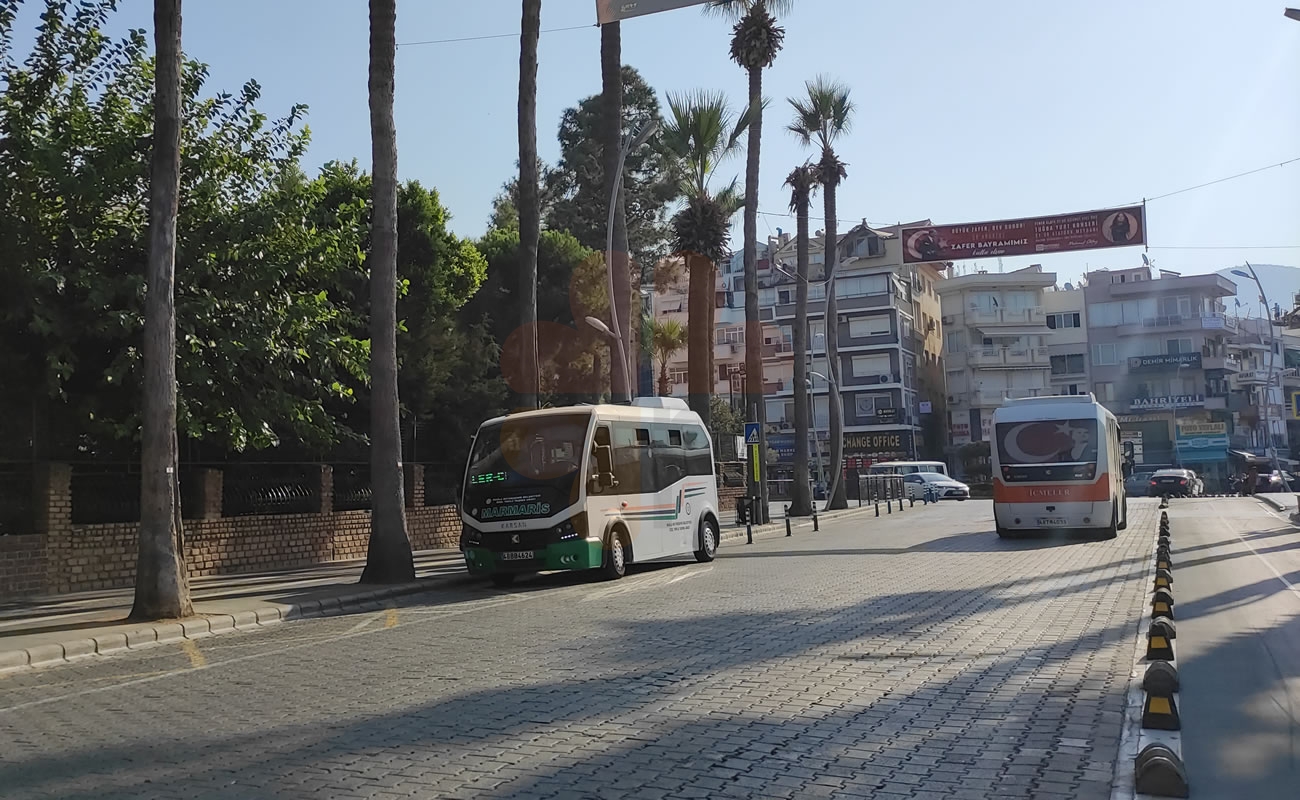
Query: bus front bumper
point(576, 554)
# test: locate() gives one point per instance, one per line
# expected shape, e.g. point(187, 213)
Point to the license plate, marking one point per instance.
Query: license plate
point(1049, 522)
point(517, 555)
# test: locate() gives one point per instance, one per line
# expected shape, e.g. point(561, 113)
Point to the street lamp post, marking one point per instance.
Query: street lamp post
point(1272, 369)
point(839, 402)
point(629, 144)
point(1293, 13)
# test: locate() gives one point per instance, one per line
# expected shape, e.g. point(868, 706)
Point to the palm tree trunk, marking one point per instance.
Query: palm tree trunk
point(699, 336)
point(839, 498)
point(611, 76)
point(388, 556)
point(800, 496)
point(530, 212)
point(755, 405)
point(161, 583)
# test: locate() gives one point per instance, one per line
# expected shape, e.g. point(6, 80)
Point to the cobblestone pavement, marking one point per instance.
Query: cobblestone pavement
point(915, 656)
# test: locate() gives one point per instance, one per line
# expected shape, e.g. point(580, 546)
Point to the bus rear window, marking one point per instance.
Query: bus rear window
point(1064, 441)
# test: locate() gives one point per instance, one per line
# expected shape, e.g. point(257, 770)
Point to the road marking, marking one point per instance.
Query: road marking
point(390, 619)
point(366, 622)
point(197, 659)
point(1252, 549)
point(690, 574)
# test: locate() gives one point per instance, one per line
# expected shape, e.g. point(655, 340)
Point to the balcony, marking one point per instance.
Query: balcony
point(1211, 284)
point(981, 317)
point(1001, 357)
point(996, 397)
point(774, 349)
point(728, 351)
point(1225, 363)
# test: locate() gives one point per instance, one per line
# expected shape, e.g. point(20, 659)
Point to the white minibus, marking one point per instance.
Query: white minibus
point(907, 467)
point(1057, 463)
point(589, 487)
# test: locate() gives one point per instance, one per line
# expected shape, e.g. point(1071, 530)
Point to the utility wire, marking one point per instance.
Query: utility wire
point(489, 36)
point(1221, 180)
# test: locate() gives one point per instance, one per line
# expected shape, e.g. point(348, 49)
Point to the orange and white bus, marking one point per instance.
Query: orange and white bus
point(1057, 463)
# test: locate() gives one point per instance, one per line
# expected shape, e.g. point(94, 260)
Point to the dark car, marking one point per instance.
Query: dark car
point(1173, 483)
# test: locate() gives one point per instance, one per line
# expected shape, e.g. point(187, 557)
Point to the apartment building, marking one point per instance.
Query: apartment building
point(889, 341)
point(1066, 314)
point(995, 331)
point(1161, 353)
point(1258, 393)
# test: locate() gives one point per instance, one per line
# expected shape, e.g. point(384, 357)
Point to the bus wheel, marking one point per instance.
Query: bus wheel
point(1112, 531)
point(708, 541)
point(615, 565)
point(503, 579)
point(1123, 523)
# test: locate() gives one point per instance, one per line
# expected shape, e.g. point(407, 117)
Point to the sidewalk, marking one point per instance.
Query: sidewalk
point(1279, 501)
point(48, 630)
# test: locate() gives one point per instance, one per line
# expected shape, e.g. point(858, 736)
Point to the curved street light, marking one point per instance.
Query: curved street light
point(1272, 368)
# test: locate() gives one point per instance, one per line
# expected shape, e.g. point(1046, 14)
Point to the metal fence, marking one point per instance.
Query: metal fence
point(17, 515)
point(351, 487)
point(103, 494)
point(442, 483)
point(252, 489)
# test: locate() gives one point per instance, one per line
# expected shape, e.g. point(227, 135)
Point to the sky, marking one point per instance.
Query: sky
point(964, 111)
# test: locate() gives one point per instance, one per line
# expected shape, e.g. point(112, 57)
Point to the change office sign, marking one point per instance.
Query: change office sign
point(608, 11)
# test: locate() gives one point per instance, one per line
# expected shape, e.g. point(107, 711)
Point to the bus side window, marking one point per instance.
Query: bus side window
point(699, 458)
point(669, 457)
point(632, 461)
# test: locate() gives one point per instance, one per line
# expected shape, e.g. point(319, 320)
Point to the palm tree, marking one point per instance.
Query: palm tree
point(802, 181)
point(821, 118)
point(701, 134)
point(756, 39)
point(666, 338)
point(388, 555)
point(611, 75)
point(161, 583)
point(530, 211)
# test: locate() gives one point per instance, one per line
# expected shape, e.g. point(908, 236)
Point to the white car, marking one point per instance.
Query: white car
point(942, 487)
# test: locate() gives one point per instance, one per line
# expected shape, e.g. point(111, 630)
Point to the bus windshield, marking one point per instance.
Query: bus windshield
point(526, 467)
point(1048, 449)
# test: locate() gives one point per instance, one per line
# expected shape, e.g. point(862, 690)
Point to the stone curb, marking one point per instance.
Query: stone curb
point(146, 636)
point(1276, 505)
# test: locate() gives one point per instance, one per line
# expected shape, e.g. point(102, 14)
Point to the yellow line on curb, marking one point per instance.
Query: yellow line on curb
point(197, 660)
point(390, 621)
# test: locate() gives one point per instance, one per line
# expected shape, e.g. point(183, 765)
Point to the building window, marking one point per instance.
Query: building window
point(783, 297)
point(1058, 321)
point(860, 327)
point(1105, 391)
point(677, 375)
point(1103, 355)
point(735, 335)
point(1105, 315)
point(870, 366)
point(1176, 306)
point(862, 286)
point(906, 328)
point(1068, 365)
point(1179, 346)
point(954, 342)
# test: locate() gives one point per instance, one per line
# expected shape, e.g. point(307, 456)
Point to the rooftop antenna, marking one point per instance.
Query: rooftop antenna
point(999, 265)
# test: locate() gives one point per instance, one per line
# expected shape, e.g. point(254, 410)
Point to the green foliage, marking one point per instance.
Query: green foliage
point(574, 195)
point(723, 419)
point(261, 349)
point(701, 134)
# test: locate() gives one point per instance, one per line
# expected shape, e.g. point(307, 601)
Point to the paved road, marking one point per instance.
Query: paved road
point(1237, 583)
point(912, 657)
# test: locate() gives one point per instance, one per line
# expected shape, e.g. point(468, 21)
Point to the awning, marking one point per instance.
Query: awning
point(1251, 458)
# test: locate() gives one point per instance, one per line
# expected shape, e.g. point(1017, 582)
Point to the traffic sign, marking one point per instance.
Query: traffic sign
point(751, 433)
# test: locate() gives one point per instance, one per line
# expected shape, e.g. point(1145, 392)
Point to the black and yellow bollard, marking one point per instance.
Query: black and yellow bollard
point(1164, 579)
point(1159, 647)
point(1159, 709)
point(1159, 771)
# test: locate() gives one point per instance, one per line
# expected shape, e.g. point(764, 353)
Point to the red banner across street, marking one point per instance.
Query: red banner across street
point(1089, 230)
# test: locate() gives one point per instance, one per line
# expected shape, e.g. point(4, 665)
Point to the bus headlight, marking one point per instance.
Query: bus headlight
point(573, 528)
point(470, 536)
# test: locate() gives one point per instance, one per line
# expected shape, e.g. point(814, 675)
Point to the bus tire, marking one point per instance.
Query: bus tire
point(1113, 530)
point(616, 556)
point(503, 579)
point(1123, 523)
point(708, 541)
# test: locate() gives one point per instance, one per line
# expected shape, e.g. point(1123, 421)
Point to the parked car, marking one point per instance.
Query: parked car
point(945, 487)
point(1174, 483)
point(1136, 485)
point(1272, 482)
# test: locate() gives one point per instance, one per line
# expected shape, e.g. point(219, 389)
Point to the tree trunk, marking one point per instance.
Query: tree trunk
point(611, 75)
point(755, 404)
point(161, 584)
point(530, 212)
point(388, 557)
point(838, 498)
point(801, 497)
point(665, 389)
point(699, 337)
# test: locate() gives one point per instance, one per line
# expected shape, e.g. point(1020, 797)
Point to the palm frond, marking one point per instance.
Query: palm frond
point(824, 115)
point(802, 182)
point(730, 198)
point(700, 133)
point(733, 10)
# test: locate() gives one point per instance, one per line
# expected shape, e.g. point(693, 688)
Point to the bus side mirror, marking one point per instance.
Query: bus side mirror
point(605, 465)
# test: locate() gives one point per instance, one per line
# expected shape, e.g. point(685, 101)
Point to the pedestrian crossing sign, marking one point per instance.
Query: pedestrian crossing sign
point(751, 433)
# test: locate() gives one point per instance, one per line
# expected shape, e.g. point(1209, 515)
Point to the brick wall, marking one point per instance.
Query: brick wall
point(64, 557)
